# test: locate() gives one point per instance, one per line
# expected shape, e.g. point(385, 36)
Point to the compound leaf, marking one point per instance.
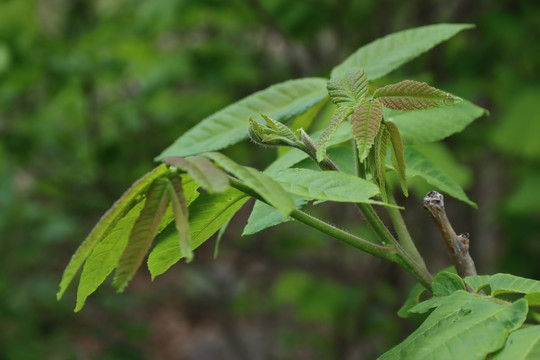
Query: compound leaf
point(207, 214)
point(463, 326)
point(340, 114)
point(365, 122)
point(143, 232)
point(202, 170)
point(347, 89)
point(107, 222)
point(413, 95)
point(282, 102)
point(381, 56)
point(180, 210)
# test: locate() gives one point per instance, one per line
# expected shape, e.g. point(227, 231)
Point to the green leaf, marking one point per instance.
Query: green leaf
point(219, 236)
point(533, 299)
point(206, 174)
point(412, 300)
point(107, 222)
point(143, 232)
point(423, 126)
point(478, 282)
point(282, 102)
point(207, 214)
point(264, 216)
point(280, 129)
point(365, 122)
point(347, 89)
point(419, 165)
point(261, 183)
point(180, 210)
point(381, 56)
point(340, 114)
point(446, 283)
point(304, 121)
point(506, 283)
point(463, 326)
point(413, 95)
point(326, 185)
point(105, 255)
point(522, 344)
point(397, 155)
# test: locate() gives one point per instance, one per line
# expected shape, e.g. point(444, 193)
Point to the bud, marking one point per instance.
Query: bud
point(276, 135)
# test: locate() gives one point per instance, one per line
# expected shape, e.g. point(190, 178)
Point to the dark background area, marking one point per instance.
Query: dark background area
point(90, 92)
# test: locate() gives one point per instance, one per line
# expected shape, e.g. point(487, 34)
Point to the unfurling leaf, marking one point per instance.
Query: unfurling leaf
point(107, 223)
point(206, 174)
point(340, 114)
point(377, 159)
point(397, 155)
point(276, 134)
point(365, 122)
point(143, 232)
point(413, 95)
point(348, 88)
point(180, 210)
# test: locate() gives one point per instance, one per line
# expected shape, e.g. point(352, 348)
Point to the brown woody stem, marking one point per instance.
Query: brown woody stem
point(456, 245)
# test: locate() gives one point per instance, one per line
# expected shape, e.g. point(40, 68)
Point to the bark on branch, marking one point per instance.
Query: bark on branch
point(456, 245)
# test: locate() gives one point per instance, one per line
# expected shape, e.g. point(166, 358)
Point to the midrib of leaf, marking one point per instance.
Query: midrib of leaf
point(107, 222)
point(365, 122)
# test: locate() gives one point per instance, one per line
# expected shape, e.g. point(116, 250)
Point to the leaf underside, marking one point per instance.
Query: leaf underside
point(412, 95)
point(365, 122)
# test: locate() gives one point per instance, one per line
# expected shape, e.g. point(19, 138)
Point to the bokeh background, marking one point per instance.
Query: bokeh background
point(91, 91)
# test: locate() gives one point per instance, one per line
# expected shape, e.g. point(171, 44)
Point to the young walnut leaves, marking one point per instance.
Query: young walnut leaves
point(372, 135)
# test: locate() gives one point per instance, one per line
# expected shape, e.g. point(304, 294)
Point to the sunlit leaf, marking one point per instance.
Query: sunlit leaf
point(207, 214)
point(365, 122)
point(383, 55)
point(107, 222)
point(413, 95)
point(264, 216)
point(281, 102)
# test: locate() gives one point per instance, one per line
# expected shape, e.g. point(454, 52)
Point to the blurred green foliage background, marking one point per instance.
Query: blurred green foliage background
point(91, 91)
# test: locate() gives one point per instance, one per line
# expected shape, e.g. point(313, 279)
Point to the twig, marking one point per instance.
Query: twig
point(456, 245)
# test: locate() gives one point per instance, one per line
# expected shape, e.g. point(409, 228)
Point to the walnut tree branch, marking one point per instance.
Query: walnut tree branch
point(456, 245)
